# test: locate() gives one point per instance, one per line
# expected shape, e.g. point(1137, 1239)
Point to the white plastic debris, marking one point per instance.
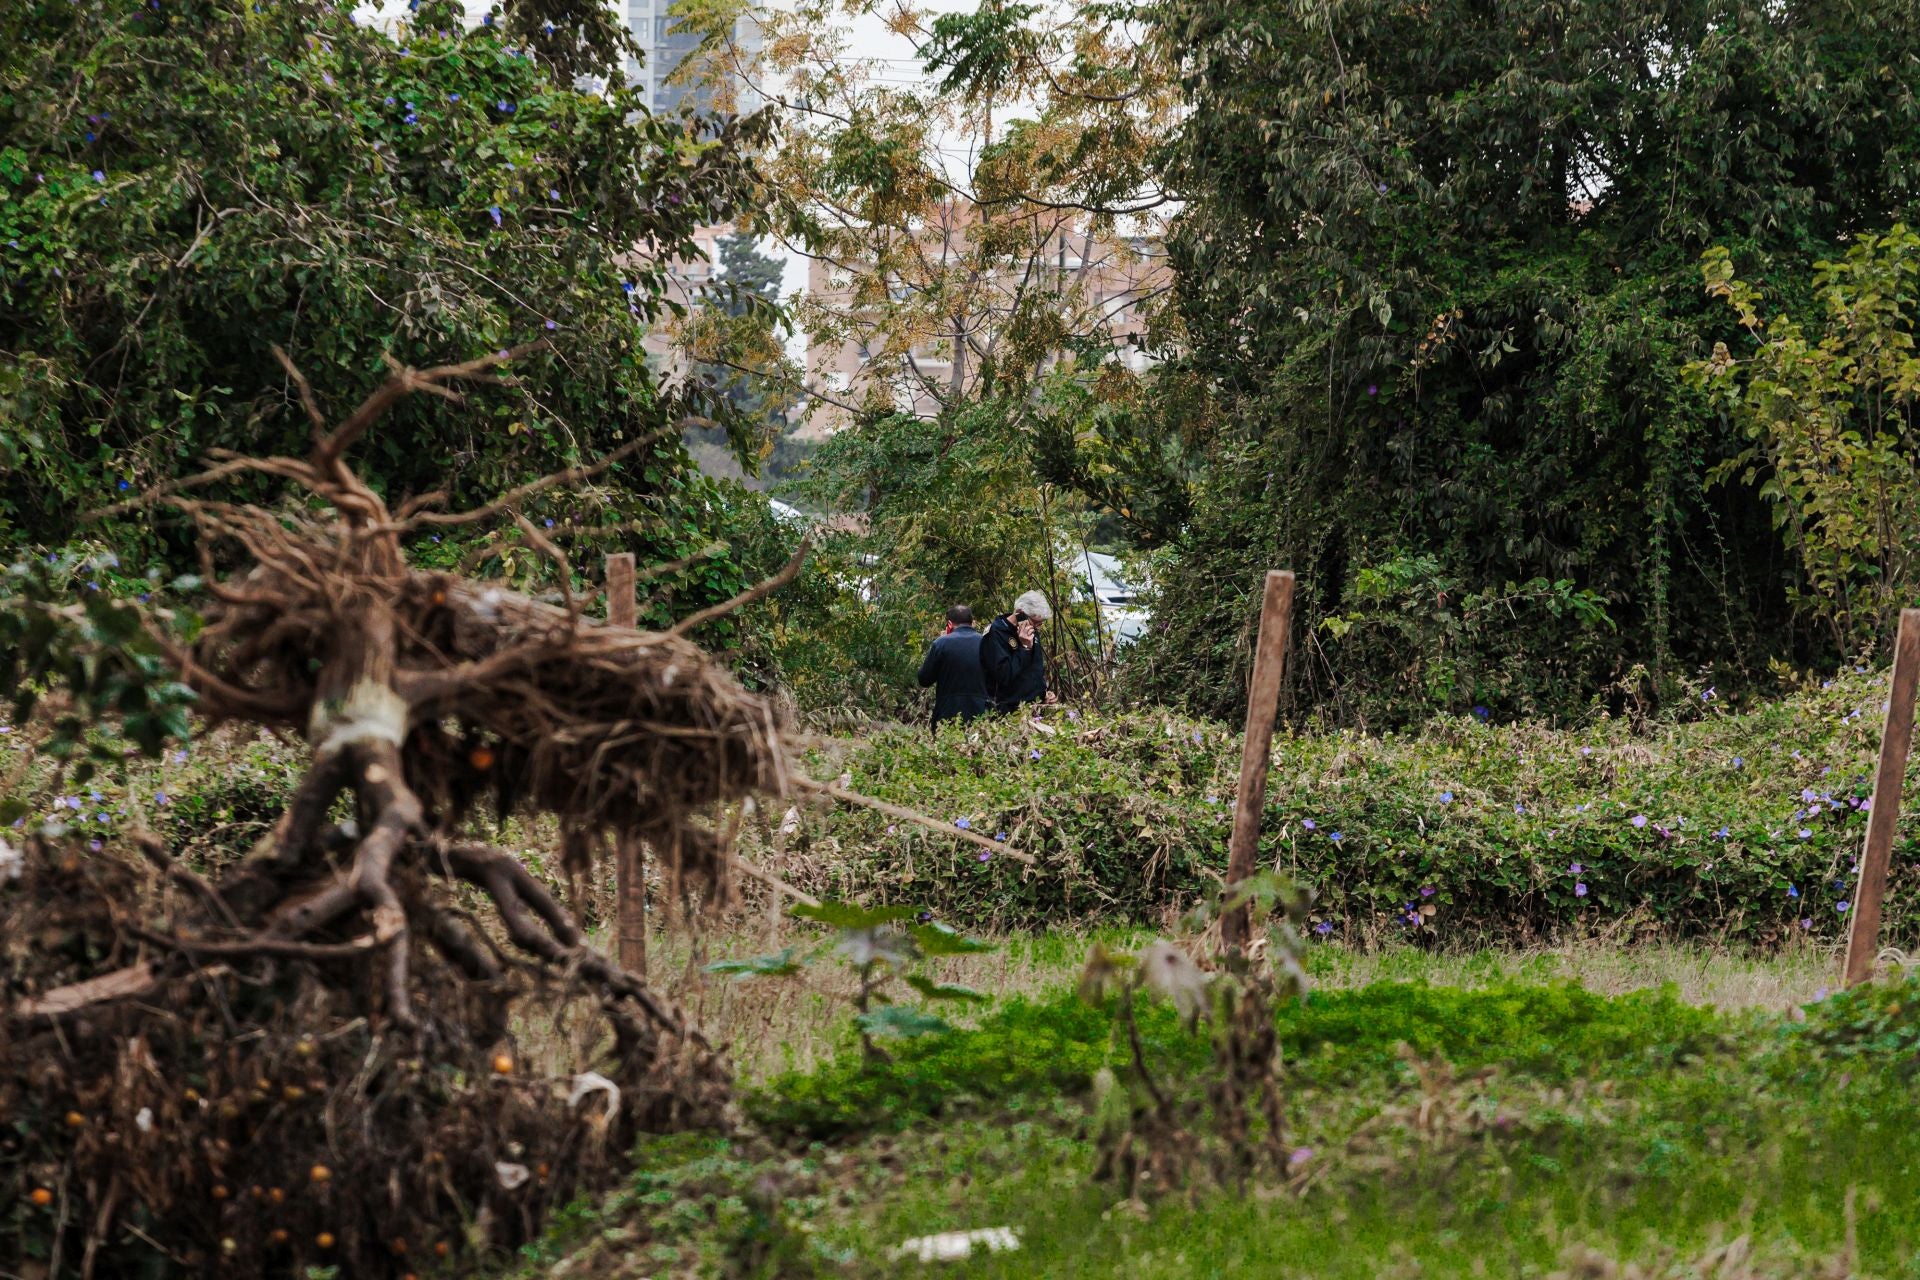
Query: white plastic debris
point(144, 1121)
point(11, 861)
point(511, 1176)
point(591, 1082)
point(952, 1246)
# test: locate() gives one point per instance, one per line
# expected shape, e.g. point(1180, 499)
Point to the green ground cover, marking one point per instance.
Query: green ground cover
point(1511, 1129)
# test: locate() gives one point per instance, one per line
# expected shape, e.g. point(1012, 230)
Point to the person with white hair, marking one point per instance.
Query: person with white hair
point(1011, 659)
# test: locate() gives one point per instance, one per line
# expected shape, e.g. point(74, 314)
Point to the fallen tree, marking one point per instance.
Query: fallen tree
point(335, 1004)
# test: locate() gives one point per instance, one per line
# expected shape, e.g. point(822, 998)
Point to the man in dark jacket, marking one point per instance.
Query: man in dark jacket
point(1015, 665)
point(952, 666)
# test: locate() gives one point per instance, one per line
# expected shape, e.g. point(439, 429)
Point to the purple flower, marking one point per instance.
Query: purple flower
point(1481, 713)
point(985, 854)
point(1308, 823)
point(1841, 906)
point(95, 846)
point(1580, 890)
point(159, 797)
point(99, 175)
point(1426, 891)
point(1586, 751)
point(1446, 797)
point(553, 193)
point(1806, 833)
point(326, 78)
point(551, 325)
point(1324, 928)
point(1575, 868)
point(1336, 837)
point(1372, 389)
point(1520, 808)
point(493, 211)
point(1739, 762)
point(1793, 891)
point(1299, 1155)
point(1639, 819)
point(1722, 833)
point(1000, 835)
point(1196, 737)
point(965, 824)
point(1034, 754)
point(1708, 695)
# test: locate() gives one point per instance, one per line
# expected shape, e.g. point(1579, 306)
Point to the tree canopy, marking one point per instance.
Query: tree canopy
point(184, 186)
point(1443, 292)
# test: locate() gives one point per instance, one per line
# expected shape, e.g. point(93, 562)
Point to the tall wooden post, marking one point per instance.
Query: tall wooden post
point(630, 857)
point(1263, 702)
point(1896, 739)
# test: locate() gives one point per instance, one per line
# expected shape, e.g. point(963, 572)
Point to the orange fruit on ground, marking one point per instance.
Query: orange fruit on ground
point(276, 1195)
point(41, 1196)
point(220, 1191)
point(503, 1064)
point(278, 1236)
point(324, 1239)
point(75, 1119)
point(442, 1249)
point(481, 757)
point(319, 1173)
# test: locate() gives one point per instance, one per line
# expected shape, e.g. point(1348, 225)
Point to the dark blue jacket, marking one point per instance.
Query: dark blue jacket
point(953, 665)
point(1014, 675)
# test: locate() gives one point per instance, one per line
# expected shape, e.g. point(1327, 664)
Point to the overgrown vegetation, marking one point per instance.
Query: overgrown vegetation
point(1440, 264)
point(1728, 825)
point(182, 188)
point(1523, 1127)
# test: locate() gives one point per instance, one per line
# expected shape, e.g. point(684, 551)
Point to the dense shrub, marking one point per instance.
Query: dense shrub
point(1735, 826)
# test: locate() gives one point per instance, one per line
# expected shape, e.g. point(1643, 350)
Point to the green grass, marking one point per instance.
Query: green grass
point(1453, 1132)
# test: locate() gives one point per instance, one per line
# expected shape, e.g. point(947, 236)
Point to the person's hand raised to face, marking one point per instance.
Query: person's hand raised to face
point(1026, 629)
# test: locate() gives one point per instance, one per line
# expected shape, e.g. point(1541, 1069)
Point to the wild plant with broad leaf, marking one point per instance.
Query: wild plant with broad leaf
point(1151, 1137)
point(882, 946)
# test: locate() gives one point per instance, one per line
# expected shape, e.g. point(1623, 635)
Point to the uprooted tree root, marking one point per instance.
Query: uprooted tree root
point(332, 999)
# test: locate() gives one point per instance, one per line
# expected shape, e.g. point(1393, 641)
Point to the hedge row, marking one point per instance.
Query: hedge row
point(1728, 826)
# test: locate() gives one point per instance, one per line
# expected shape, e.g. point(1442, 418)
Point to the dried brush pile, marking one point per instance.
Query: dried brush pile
point(303, 1062)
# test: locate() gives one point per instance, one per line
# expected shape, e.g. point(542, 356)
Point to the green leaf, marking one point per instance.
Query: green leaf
point(898, 1022)
point(939, 940)
point(779, 965)
point(944, 991)
point(847, 915)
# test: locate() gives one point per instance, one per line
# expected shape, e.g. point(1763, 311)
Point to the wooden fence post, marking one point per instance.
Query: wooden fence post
point(1896, 739)
point(1263, 703)
point(630, 856)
